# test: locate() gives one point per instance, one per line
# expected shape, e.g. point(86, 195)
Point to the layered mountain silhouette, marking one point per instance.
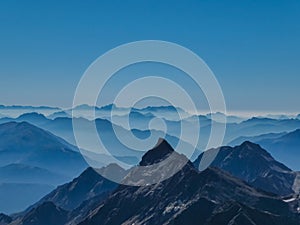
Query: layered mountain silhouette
point(20, 173)
point(30, 145)
point(139, 120)
point(189, 197)
point(16, 110)
point(62, 127)
point(32, 163)
point(255, 139)
point(254, 165)
point(258, 126)
point(283, 146)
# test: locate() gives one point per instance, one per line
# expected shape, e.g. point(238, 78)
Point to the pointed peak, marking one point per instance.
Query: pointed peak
point(246, 147)
point(160, 151)
point(249, 145)
point(162, 142)
point(89, 174)
point(112, 171)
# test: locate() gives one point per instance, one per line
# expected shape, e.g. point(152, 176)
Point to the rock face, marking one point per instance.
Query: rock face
point(157, 165)
point(254, 165)
point(4, 219)
point(189, 197)
point(159, 153)
point(45, 214)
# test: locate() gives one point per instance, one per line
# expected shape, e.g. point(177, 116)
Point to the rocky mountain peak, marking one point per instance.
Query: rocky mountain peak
point(160, 152)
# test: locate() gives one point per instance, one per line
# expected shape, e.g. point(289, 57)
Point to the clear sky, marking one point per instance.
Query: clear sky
point(253, 47)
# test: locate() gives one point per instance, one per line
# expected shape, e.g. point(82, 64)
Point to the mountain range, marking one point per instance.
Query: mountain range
point(63, 127)
point(34, 159)
point(14, 111)
point(254, 165)
point(211, 197)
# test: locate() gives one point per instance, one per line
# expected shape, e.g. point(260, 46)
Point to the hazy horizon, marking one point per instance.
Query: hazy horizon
point(244, 113)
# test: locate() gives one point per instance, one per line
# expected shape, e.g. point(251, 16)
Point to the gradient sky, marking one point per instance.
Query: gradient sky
point(253, 47)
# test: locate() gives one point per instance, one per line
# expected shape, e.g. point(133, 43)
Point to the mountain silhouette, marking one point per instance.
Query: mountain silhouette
point(254, 165)
point(161, 151)
point(283, 146)
point(32, 162)
point(27, 144)
point(89, 184)
point(45, 214)
point(20, 173)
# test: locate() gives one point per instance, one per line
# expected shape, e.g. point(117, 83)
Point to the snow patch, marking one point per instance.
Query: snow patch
point(289, 200)
point(175, 206)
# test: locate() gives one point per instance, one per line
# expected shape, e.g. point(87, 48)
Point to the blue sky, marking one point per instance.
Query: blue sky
point(252, 46)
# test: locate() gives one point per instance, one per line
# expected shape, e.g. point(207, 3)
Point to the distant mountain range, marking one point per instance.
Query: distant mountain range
point(21, 173)
point(17, 110)
point(219, 117)
point(32, 163)
point(164, 111)
point(258, 126)
point(23, 143)
point(60, 123)
point(63, 127)
point(255, 139)
point(103, 112)
point(140, 121)
point(211, 197)
point(284, 146)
